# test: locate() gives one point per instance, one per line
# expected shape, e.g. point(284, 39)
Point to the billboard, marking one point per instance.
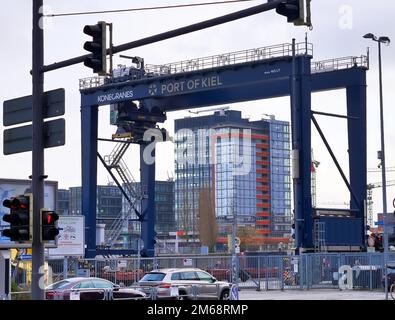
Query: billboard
point(12, 187)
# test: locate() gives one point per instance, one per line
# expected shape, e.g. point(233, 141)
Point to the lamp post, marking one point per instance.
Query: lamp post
point(235, 269)
point(387, 41)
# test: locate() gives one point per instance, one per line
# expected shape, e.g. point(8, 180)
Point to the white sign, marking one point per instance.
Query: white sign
point(74, 295)
point(294, 260)
point(71, 237)
point(188, 263)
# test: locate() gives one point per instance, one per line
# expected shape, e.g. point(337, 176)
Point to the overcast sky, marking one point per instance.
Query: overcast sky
point(338, 30)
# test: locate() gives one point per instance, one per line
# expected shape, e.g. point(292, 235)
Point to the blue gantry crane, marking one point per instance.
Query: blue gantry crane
point(262, 73)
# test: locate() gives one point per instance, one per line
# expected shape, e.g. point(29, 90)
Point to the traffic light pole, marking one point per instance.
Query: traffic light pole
point(38, 149)
point(172, 33)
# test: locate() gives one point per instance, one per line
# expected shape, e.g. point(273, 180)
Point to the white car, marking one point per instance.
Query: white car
point(185, 283)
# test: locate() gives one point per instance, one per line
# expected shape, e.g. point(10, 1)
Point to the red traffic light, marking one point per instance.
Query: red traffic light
point(49, 225)
point(52, 217)
point(16, 203)
point(19, 218)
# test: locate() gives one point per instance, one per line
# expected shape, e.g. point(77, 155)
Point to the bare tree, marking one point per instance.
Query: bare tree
point(249, 238)
point(208, 228)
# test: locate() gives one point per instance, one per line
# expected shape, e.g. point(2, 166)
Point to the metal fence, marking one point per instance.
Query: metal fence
point(259, 272)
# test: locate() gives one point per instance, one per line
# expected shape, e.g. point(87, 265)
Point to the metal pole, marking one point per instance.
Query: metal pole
point(235, 271)
point(65, 268)
point(111, 49)
point(295, 152)
point(383, 179)
point(38, 149)
point(234, 264)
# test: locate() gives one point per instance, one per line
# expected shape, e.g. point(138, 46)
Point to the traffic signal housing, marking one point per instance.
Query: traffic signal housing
point(378, 242)
point(49, 225)
point(296, 11)
point(19, 218)
point(293, 231)
point(98, 47)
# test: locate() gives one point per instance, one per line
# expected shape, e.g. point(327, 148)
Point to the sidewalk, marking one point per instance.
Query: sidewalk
point(313, 294)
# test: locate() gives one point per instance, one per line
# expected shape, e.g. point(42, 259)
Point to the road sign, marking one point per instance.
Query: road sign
point(20, 110)
point(234, 292)
point(20, 139)
point(25, 257)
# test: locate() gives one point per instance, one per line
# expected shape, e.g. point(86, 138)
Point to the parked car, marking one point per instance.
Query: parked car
point(89, 289)
point(179, 284)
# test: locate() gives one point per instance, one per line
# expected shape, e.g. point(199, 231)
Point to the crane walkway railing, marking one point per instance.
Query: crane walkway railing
point(232, 58)
point(227, 59)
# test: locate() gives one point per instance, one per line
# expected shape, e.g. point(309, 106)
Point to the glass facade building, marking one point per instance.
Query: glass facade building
point(246, 166)
point(112, 205)
point(63, 201)
point(109, 203)
point(164, 207)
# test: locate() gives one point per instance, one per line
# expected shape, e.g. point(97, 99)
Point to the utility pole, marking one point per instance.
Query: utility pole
point(38, 149)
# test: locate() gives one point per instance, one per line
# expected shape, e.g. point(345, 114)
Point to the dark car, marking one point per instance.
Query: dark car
point(89, 289)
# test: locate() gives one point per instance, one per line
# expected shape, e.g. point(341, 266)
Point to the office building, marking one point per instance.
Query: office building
point(164, 207)
point(245, 165)
point(63, 202)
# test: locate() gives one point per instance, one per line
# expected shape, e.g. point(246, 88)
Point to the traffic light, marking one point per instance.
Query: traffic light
point(19, 218)
point(296, 11)
point(49, 225)
point(155, 238)
point(378, 242)
point(293, 231)
point(98, 47)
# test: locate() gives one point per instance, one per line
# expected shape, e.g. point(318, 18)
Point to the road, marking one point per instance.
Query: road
point(314, 294)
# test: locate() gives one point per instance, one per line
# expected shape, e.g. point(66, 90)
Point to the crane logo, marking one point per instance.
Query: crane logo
point(152, 89)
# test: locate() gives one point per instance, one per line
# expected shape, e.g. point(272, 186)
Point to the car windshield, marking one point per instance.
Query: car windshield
point(153, 276)
point(58, 285)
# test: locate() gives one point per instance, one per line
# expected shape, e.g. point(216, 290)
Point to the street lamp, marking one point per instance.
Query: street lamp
point(387, 41)
point(235, 269)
